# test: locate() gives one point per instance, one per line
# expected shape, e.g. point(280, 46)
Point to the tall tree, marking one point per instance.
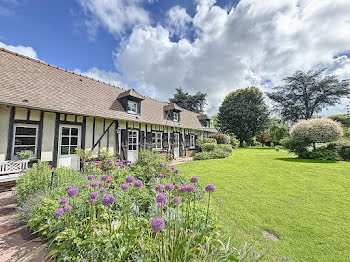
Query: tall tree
point(305, 94)
point(193, 103)
point(243, 113)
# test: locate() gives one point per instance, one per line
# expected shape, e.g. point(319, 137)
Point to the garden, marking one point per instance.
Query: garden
point(143, 211)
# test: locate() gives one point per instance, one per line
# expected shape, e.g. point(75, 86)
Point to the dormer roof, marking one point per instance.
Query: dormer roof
point(172, 106)
point(131, 93)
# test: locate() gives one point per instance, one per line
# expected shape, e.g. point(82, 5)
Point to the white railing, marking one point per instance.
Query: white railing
point(13, 166)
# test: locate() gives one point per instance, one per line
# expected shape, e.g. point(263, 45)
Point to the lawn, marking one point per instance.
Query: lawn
point(305, 203)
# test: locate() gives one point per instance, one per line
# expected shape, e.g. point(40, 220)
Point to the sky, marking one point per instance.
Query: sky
point(155, 46)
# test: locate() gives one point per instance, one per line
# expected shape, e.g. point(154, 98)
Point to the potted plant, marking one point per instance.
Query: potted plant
point(24, 154)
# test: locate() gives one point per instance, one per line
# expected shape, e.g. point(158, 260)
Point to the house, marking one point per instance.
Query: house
point(51, 111)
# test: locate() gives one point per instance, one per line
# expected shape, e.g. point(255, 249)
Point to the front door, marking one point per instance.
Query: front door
point(69, 140)
point(176, 145)
point(133, 145)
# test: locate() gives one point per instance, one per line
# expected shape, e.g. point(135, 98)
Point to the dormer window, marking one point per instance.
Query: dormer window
point(175, 116)
point(132, 107)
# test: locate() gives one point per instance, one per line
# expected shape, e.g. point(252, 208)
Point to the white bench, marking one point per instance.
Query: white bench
point(12, 169)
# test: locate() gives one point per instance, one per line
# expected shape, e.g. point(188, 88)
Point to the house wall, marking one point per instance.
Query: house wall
point(4, 125)
point(47, 146)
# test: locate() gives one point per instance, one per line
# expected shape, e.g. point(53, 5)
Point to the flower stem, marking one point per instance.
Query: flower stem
point(206, 220)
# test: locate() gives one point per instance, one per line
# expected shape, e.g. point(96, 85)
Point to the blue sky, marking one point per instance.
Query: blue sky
point(156, 46)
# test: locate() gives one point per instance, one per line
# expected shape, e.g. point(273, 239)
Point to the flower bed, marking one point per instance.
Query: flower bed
point(127, 212)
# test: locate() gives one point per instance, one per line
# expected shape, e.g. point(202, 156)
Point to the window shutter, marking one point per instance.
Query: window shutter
point(149, 140)
point(187, 138)
point(165, 142)
point(124, 143)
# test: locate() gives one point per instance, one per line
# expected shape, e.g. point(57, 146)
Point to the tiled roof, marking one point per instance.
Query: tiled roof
point(131, 92)
point(35, 84)
point(172, 106)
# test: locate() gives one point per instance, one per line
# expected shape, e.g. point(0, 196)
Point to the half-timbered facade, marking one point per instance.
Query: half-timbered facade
point(51, 111)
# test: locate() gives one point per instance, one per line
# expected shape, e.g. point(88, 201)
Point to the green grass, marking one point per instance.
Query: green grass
point(305, 203)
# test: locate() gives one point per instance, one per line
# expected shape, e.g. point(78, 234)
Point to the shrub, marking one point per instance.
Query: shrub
point(324, 154)
point(296, 145)
point(263, 138)
point(317, 130)
point(201, 141)
point(343, 148)
point(343, 119)
point(206, 147)
point(202, 156)
point(221, 138)
point(234, 141)
point(219, 153)
point(24, 154)
point(226, 148)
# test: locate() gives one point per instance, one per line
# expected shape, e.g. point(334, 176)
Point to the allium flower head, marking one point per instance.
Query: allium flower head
point(210, 188)
point(104, 177)
point(63, 201)
point(102, 190)
point(108, 200)
point(194, 179)
point(94, 195)
point(95, 184)
point(85, 186)
point(172, 167)
point(157, 224)
point(73, 191)
point(190, 188)
point(92, 200)
point(167, 169)
point(161, 164)
point(162, 198)
point(125, 187)
point(160, 205)
point(90, 177)
point(101, 184)
point(159, 187)
point(59, 212)
point(130, 179)
point(110, 162)
point(160, 175)
point(68, 187)
point(182, 189)
point(129, 164)
point(138, 183)
point(169, 186)
point(176, 171)
point(176, 200)
point(67, 208)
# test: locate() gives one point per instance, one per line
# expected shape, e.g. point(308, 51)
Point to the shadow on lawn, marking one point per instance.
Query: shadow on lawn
point(299, 160)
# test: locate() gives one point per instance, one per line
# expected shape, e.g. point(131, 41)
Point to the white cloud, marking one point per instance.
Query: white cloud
point(178, 21)
point(236, 48)
point(116, 16)
point(24, 50)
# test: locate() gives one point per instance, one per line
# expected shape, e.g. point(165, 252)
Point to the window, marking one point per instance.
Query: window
point(69, 140)
point(132, 107)
point(175, 116)
point(25, 138)
point(192, 141)
point(133, 143)
point(157, 140)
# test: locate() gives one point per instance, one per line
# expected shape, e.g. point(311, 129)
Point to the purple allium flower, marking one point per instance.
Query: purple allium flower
point(182, 189)
point(160, 205)
point(138, 183)
point(169, 186)
point(125, 187)
point(85, 186)
point(172, 167)
point(59, 212)
point(157, 224)
point(129, 164)
point(73, 191)
point(159, 187)
point(94, 195)
point(95, 176)
point(176, 200)
point(67, 208)
point(101, 184)
point(110, 162)
point(162, 198)
point(104, 177)
point(130, 179)
point(153, 178)
point(161, 164)
point(64, 201)
point(90, 177)
point(210, 188)
point(108, 200)
point(92, 200)
point(190, 188)
point(194, 179)
point(102, 190)
point(176, 171)
point(95, 184)
point(68, 187)
point(160, 175)
point(167, 169)
point(177, 186)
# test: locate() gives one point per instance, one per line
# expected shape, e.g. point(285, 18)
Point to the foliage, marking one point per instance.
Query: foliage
point(317, 130)
point(24, 154)
point(324, 153)
point(84, 155)
point(343, 148)
point(226, 148)
point(221, 138)
point(262, 189)
point(263, 138)
point(277, 131)
point(201, 141)
point(193, 103)
point(219, 153)
point(305, 94)
point(243, 113)
point(202, 156)
point(215, 121)
point(343, 119)
point(234, 141)
point(206, 147)
point(296, 145)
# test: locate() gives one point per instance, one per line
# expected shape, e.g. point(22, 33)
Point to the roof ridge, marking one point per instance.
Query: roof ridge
point(90, 78)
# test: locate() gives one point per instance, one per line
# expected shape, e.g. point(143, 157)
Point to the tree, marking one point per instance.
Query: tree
point(193, 103)
point(305, 94)
point(243, 113)
point(277, 130)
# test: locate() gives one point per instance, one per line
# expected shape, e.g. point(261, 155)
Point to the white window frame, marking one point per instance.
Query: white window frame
point(132, 104)
point(176, 119)
point(192, 141)
point(13, 156)
point(69, 136)
point(156, 145)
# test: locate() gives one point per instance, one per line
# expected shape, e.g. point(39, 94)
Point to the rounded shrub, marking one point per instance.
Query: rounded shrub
point(221, 138)
point(202, 156)
point(317, 130)
point(207, 147)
